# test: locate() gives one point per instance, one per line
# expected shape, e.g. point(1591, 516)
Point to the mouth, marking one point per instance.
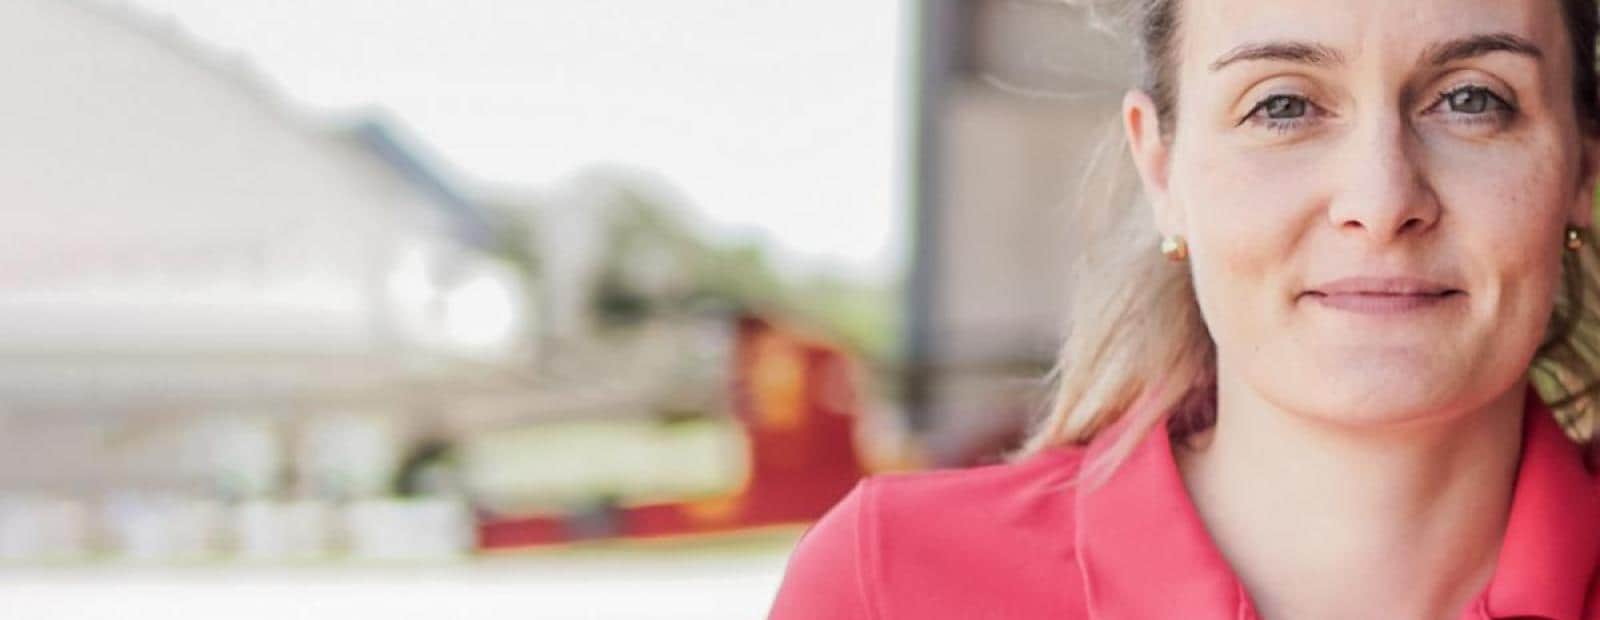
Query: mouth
point(1382, 295)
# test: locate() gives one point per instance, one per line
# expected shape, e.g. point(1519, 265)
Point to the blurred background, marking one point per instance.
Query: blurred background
point(362, 308)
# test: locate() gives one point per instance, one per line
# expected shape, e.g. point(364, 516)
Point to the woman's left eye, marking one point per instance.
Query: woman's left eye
point(1472, 100)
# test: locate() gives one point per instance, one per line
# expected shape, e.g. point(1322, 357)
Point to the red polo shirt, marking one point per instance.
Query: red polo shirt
point(1017, 541)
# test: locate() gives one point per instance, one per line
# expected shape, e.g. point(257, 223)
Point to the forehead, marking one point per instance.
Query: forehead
point(1361, 27)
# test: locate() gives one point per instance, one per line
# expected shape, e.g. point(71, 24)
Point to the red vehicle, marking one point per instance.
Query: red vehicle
point(795, 400)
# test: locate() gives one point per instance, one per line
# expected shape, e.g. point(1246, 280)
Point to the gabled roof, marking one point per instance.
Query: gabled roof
point(376, 133)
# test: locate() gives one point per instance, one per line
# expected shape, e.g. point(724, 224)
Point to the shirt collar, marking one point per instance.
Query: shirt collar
point(1551, 542)
point(1145, 553)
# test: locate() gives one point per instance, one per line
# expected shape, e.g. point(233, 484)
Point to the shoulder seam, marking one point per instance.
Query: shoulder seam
point(1073, 459)
point(866, 556)
point(987, 468)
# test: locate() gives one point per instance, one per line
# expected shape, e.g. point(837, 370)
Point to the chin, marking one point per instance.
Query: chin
point(1377, 395)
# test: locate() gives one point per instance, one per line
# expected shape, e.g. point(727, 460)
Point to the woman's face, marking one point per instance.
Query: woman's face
point(1374, 194)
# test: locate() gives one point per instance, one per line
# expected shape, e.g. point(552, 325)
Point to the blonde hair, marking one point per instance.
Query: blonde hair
point(1137, 352)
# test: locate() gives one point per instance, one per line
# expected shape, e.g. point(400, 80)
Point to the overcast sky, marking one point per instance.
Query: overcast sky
point(776, 118)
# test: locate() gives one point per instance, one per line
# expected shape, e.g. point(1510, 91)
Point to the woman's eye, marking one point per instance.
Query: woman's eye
point(1284, 106)
point(1472, 100)
point(1281, 113)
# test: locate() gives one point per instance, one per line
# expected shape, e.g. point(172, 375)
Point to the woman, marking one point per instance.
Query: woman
point(1324, 400)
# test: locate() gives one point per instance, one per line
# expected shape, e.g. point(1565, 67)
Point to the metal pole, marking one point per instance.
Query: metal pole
point(941, 29)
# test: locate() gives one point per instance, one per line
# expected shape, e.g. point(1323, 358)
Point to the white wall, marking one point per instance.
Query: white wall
point(166, 221)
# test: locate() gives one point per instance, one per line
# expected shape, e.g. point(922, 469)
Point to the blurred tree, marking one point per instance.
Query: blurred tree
point(657, 264)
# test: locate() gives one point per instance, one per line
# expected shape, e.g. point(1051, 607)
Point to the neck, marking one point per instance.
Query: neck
point(1320, 520)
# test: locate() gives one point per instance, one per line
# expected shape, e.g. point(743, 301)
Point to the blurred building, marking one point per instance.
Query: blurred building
point(229, 329)
point(1013, 97)
point(193, 269)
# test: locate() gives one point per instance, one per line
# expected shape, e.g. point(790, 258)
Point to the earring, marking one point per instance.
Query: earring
point(1574, 238)
point(1175, 248)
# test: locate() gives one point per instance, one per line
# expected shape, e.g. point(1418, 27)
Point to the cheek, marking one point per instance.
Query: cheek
point(1244, 219)
point(1505, 213)
point(1520, 189)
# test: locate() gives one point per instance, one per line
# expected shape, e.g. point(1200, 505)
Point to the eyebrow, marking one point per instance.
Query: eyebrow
point(1479, 45)
point(1291, 51)
point(1470, 46)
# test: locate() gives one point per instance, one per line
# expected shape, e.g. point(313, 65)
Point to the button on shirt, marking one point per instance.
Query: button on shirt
point(1019, 540)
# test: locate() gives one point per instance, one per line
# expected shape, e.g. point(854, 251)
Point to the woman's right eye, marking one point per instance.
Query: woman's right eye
point(1281, 113)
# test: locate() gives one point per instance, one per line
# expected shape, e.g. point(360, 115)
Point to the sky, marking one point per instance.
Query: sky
point(778, 120)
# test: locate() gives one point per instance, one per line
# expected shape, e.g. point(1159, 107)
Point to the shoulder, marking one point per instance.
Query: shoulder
point(996, 522)
point(1039, 483)
point(924, 544)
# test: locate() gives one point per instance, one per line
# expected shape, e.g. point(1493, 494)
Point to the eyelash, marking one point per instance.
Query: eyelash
point(1503, 109)
point(1278, 125)
point(1499, 109)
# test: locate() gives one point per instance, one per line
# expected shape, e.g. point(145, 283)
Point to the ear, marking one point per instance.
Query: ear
point(1583, 207)
point(1151, 155)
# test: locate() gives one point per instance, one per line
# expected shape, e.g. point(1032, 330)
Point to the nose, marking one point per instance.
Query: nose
point(1384, 192)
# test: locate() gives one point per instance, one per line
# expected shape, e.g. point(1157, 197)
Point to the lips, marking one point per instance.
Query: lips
point(1370, 295)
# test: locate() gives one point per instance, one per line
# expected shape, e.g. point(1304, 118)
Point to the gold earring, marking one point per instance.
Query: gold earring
point(1175, 248)
point(1574, 238)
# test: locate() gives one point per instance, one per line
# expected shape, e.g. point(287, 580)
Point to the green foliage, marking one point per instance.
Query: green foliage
point(657, 263)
